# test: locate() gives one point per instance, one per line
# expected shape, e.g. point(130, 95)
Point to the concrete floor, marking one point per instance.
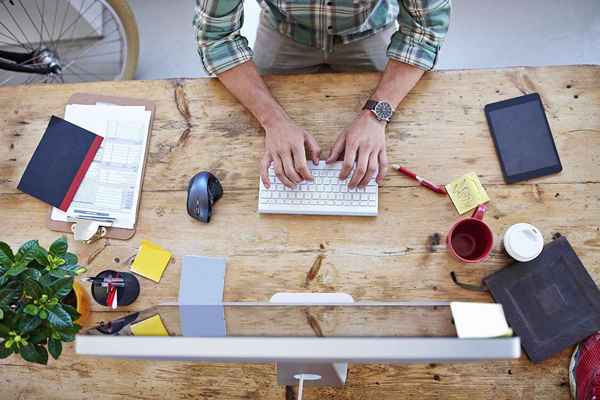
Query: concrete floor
point(483, 34)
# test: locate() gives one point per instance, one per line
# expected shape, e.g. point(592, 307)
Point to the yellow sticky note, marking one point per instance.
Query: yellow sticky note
point(467, 192)
point(151, 261)
point(152, 326)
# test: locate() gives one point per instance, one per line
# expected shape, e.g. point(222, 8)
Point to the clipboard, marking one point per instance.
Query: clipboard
point(93, 99)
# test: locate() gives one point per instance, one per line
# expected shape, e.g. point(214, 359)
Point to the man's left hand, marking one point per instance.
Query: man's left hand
point(362, 142)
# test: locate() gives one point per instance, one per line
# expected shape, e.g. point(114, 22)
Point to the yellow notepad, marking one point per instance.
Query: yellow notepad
point(152, 326)
point(151, 261)
point(467, 192)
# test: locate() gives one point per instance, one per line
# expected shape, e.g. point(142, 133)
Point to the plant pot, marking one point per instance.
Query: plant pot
point(79, 299)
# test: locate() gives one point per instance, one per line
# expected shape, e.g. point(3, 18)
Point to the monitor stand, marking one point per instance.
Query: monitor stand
point(316, 374)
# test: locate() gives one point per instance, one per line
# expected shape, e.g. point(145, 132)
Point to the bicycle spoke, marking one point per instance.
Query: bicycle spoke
point(85, 72)
point(75, 73)
point(16, 23)
point(92, 32)
point(62, 25)
point(31, 19)
point(54, 23)
point(13, 36)
point(42, 20)
point(77, 19)
point(96, 55)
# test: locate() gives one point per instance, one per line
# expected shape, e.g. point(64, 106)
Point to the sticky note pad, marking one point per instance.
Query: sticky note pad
point(152, 326)
point(479, 320)
point(467, 192)
point(151, 261)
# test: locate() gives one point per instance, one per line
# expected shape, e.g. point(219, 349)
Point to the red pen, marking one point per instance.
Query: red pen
point(111, 298)
point(423, 182)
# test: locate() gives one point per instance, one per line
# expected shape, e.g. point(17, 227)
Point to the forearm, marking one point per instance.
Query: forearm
point(397, 80)
point(245, 83)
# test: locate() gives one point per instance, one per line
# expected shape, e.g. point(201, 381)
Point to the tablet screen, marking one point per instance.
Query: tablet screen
point(523, 139)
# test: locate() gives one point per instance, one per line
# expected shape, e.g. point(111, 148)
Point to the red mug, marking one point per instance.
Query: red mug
point(470, 240)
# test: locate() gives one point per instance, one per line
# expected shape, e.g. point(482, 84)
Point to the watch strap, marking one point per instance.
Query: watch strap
point(370, 105)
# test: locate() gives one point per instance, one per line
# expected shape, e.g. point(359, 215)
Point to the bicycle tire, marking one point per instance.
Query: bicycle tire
point(125, 14)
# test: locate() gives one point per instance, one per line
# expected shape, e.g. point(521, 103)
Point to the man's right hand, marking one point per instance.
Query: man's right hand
point(284, 147)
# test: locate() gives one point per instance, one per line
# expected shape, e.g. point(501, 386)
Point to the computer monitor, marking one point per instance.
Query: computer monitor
point(315, 338)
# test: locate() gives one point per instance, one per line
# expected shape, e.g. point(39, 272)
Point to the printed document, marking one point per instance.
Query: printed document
point(111, 187)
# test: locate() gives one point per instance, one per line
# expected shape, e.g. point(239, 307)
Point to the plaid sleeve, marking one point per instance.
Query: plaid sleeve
point(220, 45)
point(423, 26)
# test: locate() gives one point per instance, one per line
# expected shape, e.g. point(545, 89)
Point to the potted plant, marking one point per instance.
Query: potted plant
point(37, 311)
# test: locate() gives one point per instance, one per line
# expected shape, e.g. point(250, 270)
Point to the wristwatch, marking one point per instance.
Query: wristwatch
point(381, 109)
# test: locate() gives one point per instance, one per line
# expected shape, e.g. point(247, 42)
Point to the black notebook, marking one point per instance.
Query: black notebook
point(60, 163)
point(550, 302)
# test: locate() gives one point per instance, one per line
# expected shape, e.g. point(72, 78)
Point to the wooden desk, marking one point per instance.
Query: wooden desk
point(439, 131)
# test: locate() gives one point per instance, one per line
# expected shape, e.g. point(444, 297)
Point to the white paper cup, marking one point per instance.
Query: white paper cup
point(523, 242)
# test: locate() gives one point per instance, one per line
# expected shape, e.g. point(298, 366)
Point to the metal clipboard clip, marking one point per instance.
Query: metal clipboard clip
point(89, 230)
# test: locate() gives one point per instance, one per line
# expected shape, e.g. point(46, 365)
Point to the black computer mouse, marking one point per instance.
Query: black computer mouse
point(204, 190)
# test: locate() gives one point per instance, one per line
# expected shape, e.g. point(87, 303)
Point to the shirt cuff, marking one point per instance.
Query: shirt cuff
point(223, 55)
point(406, 49)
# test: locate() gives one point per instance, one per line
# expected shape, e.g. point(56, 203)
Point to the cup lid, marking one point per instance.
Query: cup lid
point(523, 242)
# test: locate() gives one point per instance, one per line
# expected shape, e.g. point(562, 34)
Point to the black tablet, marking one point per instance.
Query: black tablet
point(522, 137)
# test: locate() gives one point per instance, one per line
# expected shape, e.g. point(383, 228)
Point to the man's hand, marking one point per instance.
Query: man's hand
point(284, 147)
point(364, 142)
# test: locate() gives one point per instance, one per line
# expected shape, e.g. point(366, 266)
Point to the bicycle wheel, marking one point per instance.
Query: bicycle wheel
point(67, 41)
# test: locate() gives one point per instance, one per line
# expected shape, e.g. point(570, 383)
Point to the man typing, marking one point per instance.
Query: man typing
point(402, 38)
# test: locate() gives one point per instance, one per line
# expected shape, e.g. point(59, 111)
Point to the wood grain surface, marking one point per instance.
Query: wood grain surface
point(439, 131)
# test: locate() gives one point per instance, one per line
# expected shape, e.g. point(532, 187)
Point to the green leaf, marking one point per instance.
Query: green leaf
point(29, 323)
point(8, 296)
point(4, 330)
point(27, 252)
point(55, 348)
point(70, 259)
point(67, 337)
point(74, 269)
point(59, 247)
point(37, 336)
point(31, 309)
point(43, 314)
point(6, 254)
point(32, 288)
point(72, 311)
point(71, 330)
point(34, 353)
point(41, 256)
point(17, 270)
point(62, 287)
point(58, 317)
point(32, 274)
point(46, 280)
point(5, 351)
point(60, 273)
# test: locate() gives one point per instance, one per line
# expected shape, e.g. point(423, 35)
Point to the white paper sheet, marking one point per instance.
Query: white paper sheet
point(479, 320)
point(112, 183)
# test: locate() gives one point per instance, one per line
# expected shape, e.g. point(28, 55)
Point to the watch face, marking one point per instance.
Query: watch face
point(383, 111)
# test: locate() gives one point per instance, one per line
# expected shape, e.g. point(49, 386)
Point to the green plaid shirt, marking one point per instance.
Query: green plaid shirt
point(317, 23)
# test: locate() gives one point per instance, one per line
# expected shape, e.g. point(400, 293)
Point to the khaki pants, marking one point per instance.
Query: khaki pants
point(275, 53)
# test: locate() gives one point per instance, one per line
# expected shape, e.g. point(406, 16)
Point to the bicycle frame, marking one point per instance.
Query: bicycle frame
point(20, 62)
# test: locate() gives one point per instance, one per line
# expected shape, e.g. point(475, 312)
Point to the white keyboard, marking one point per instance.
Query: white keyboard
point(326, 195)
